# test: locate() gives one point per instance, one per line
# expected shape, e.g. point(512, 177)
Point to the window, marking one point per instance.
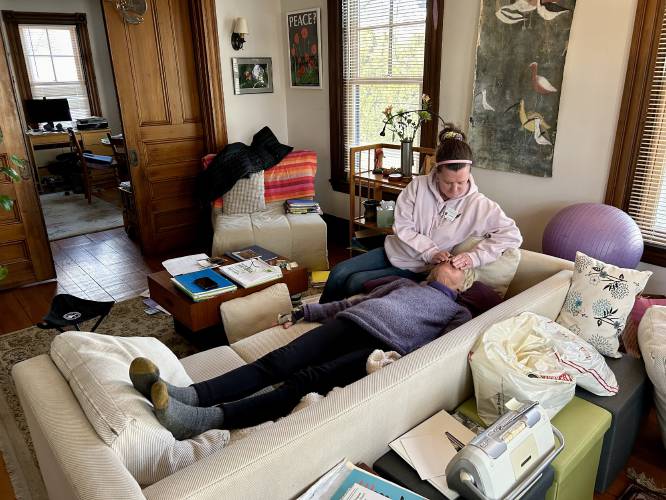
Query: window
point(51, 57)
point(380, 51)
point(53, 61)
point(637, 181)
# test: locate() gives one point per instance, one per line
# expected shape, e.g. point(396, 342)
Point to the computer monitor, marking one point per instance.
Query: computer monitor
point(47, 110)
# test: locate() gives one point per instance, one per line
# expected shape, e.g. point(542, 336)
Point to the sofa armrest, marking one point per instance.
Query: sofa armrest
point(535, 267)
point(74, 461)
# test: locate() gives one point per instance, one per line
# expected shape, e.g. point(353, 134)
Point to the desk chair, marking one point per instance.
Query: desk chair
point(91, 180)
point(120, 155)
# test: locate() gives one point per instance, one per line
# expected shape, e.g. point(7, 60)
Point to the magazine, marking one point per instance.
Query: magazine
point(251, 272)
point(346, 481)
point(252, 252)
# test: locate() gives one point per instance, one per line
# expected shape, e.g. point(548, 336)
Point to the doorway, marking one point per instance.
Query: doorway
point(64, 81)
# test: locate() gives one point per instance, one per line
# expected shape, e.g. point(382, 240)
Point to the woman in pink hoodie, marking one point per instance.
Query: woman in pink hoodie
point(433, 214)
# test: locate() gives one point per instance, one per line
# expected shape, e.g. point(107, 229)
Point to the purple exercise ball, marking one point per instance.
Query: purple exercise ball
point(600, 231)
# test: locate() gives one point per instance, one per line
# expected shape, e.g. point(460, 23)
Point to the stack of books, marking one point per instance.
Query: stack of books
point(203, 285)
point(302, 206)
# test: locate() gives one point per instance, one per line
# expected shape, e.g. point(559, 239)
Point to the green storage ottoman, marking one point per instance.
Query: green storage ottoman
point(583, 426)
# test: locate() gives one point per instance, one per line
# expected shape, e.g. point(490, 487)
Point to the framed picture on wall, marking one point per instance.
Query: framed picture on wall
point(252, 75)
point(304, 36)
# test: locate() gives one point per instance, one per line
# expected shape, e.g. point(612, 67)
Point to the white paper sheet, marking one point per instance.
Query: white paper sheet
point(439, 423)
point(184, 265)
point(429, 453)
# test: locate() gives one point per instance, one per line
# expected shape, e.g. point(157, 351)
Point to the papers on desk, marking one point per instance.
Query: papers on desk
point(184, 265)
point(427, 449)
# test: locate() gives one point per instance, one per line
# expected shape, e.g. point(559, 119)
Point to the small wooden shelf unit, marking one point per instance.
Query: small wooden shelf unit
point(363, 184)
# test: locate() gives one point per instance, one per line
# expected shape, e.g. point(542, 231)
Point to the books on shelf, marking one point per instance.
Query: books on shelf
point(252, 272)
point(346, 481)
point(302, 206)
point(186, 283)
point(251, 252)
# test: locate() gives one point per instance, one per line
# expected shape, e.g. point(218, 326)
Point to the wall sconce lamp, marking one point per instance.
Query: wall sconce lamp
point(239, 33)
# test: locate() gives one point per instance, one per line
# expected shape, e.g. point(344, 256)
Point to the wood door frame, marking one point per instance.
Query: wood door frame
point(13, 18)
point(207, 55)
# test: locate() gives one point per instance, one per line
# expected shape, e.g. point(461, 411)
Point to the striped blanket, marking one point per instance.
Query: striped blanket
point(293, 177)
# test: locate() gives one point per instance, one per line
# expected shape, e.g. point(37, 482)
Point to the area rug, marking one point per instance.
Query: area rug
point(71, 215)
point(127, 319)
point(642, 487)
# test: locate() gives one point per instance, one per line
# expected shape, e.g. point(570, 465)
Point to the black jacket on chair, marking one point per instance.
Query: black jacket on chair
point(237, 161)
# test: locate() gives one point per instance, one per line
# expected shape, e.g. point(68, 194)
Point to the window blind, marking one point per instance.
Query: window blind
point(383, 59)
point(53, 61)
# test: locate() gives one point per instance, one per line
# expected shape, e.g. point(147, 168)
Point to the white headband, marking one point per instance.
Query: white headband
point(447, 162)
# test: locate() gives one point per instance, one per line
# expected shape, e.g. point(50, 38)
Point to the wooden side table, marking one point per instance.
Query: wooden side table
point(191, 317)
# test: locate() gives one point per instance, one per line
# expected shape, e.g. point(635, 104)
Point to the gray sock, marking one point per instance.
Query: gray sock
point(182, 420)
point(144, 373)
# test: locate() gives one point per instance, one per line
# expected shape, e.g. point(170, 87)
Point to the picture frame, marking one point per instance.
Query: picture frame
point(304, 48)
point(252, 75)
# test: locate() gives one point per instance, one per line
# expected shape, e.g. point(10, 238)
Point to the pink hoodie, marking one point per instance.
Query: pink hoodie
point(420, 231)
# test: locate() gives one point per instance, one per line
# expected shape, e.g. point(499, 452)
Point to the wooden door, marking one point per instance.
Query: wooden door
point(24, 247)
point(156, 67)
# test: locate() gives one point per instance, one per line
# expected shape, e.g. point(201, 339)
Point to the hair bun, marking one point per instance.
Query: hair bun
point(450, 131)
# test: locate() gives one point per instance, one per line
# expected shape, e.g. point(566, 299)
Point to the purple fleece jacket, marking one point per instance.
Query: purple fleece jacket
point(403, 314)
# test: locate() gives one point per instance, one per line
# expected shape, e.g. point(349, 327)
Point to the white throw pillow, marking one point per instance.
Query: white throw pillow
point(599, 301)
point(97, 369)
point(652, 339)
point(246, 197)
point(254, 313)
point(498, 274)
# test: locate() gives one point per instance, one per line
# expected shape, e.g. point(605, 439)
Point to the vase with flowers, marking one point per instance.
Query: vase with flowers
point(405, 124)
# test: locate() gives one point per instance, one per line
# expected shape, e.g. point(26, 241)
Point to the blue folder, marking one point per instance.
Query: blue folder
point(187, 280)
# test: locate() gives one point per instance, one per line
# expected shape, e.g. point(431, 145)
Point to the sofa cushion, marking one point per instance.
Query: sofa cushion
point(254, 347)
point(246, 196)
point(599, 300)
point(652, 339)
point(97, 369)
point(498, 274)
point(253, 313)
point(630, 333)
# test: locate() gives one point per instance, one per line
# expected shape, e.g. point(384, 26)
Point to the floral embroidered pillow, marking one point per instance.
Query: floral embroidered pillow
point(599, 301)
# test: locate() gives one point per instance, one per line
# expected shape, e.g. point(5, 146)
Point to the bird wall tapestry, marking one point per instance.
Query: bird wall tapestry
point(520, 58)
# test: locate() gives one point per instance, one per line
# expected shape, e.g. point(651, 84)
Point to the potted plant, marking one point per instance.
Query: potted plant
point(405, 125)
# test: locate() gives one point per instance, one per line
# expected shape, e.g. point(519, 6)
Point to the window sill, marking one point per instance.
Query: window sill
point(654, 255)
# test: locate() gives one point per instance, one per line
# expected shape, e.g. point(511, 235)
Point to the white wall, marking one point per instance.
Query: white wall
point(98, 46)
point(308, 115)
point(247, 113)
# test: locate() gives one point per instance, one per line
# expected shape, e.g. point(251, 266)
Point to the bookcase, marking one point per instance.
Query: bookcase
point(364, 184)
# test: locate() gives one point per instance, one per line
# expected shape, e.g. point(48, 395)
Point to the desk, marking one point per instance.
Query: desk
point(90, 139)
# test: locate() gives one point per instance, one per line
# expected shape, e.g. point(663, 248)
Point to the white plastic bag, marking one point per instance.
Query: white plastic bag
point(512, 359)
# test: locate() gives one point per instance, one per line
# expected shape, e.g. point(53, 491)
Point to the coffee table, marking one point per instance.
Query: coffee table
point(191, 317)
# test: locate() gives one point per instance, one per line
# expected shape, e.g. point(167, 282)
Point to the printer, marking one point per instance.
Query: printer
point(92, 123)
point(507, 458)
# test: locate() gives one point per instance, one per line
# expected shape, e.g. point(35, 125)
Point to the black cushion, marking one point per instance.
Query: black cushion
point(264, 143)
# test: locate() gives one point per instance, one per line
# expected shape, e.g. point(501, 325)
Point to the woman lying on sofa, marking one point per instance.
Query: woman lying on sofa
point(401, 316)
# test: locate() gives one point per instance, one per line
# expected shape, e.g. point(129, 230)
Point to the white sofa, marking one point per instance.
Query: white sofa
point(281, 460)
point(301, 238)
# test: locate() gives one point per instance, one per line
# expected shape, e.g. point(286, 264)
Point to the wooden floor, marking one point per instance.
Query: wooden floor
point(109, 266)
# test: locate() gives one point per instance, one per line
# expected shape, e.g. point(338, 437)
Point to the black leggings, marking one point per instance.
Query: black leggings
point(333, 354)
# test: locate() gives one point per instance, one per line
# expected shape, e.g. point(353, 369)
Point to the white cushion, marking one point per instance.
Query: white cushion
point(246, 196)
point(254, 347)
point(498, 274)
point(600, 298)
point(97, 369)
point(652, 340)
point(253, 313)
